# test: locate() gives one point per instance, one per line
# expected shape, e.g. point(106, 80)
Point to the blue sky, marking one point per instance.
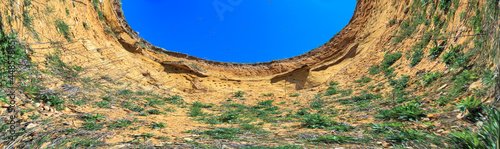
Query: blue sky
point(242, 31)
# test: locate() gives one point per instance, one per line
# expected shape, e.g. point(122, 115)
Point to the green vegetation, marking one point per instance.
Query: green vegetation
point(318, 121)
point(455, 57)
point(85, 25)
point(99, 12)
point(428, 78)
point(122, 123)
point(195, 111)
point(416, 57)
point(471, 106)
point(410, 111)
point(91, 122)
point(238, 94)
point(487, 136)
point(268, 94)
point(103, 104)
point(333, 89)
point(436, 51)
point(363, 80)
point(220, 133)
point(389, 60)
point(63, 29)
point(158, 125)
point(461, 82)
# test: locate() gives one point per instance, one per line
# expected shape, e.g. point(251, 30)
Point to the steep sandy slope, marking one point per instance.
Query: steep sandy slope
point(85, 51)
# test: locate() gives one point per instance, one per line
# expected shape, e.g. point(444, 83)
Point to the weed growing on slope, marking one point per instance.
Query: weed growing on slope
point(363, 79)
point(318, 121)
point(333, 89)
point(63, 29)
point(487, 136)
point(375, 69)
point(461, 82)
point(122, 123)
point(175, 99)
point(389, 59)
point(436, 51)
point(411, 111)
point(428, 78)
point(154, 102)
point(195, 111)
point(220, 133)
point(238, 94)
point(335, 139)
point(416, 57)
point(103, 104)
point(472, 106)
point(455, 57)
point(58, 67)
point(268, 94)
point(158, 125)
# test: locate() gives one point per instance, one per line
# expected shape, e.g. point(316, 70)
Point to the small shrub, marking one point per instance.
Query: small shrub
point(229, 117)
point(302, 112)
point(33, 117)
point(295, 95)
point(401, 83)
point(408, 135)
point(317, 103)
point(154, 111)
point(389, 72)
point(316, 121)
point(363, 80)
point(107, 99)
point(462, 81)
point(223, 133)
point(92, 125)
point(472, 105)
point(175, 99)
point(269, 94)
point(455, 57)
point(195, 111)
point(416, 57)
point(365, 97)
point(334, 139)
point(154, 102)
point(443, 100)
point(435, 52)
point(487, 136)
point(63, 29)
point(201, 105)
point(375, 69)
point(333, 89)
point(238, 94)
point(266, 103)
point(444, 5)
point(122, 123)
point(85, 25)
point(410, 111)
point(158, 125)
point(136, 108)
point(169, 109)
point(103, 104)
point(430, 77)
point(390, 59)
